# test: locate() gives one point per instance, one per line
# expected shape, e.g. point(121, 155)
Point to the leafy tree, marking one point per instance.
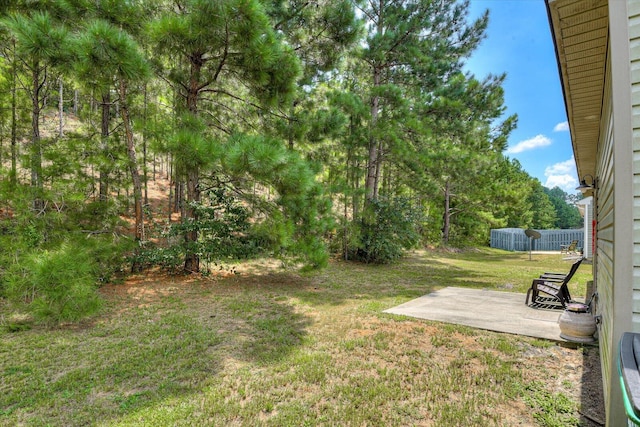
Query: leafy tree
point(464, 147)
point(544, 212)
point(567, 215)
point(299, 216)
point(320, 33)
point(58, 285)
point(394, 230)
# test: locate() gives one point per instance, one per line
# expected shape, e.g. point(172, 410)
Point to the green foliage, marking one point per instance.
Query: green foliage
point(224, 229)
point(170, 258)
point(55, 286)
point(38, 37)
point(551, 409)
point(301, 209)
point(301, 23)
point(283, 106)
point(268, 66)
point(106, 55)
point(54, 260)
point(388, 230)
point(544, 212)
point(567, 215)
point(190, 145)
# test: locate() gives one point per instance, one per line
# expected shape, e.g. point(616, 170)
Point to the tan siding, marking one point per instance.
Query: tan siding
point(592, 51)
point(634, 53)
point(636, 214)
point(605, 234)
point(635, 71)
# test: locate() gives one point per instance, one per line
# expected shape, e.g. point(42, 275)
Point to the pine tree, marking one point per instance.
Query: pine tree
point(109, 58)
point(414, 45)
point(39, 44)
point(215, 58)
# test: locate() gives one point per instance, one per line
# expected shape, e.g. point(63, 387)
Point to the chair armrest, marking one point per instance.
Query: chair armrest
point(553, 275)
point(552, 279)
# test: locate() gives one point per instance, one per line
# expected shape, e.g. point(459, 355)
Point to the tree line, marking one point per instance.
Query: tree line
point(290, 128)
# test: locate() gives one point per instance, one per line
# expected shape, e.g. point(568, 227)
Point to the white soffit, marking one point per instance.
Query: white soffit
point(580, 33)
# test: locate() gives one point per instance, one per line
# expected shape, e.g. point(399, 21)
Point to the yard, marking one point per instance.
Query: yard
point(259, 344)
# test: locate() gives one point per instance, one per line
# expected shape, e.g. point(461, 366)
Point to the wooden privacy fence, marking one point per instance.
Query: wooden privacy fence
point(514, 239)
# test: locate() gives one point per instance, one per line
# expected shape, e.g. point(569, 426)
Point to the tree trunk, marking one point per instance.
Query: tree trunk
point(104, 146)
point(192, 260)
point(376, 188)
point(372, 165)
point(13, 176)
point(133, 163)
point(36, 147)
point(178, 202)
point(144, 147)
point(291, 118)
point(446, 216)
point(356, 198)
point(61, 110)
point(371, 189)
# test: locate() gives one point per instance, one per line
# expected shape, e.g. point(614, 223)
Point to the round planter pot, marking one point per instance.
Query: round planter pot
point(576, 324)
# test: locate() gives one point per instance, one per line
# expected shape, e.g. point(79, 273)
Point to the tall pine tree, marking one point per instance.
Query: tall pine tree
point(236, 54)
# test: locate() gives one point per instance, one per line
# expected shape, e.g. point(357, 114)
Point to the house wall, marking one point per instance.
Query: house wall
point(604, 269)
point(617, 269)
point(633, 11)
point(588, 232)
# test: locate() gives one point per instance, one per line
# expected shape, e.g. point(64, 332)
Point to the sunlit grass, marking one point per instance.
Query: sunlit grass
point(284, 349)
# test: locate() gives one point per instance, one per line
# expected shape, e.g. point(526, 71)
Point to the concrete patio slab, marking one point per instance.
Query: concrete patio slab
point(484, 309)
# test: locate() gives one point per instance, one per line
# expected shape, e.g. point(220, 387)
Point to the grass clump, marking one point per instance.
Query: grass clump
point(550, 409)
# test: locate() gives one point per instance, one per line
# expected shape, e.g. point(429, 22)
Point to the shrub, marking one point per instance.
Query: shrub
point(223, 228)
point(387, 230)
point(55, 285)
point(169, 258)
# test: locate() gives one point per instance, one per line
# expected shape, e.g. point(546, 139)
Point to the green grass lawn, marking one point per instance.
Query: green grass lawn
point(280, 348)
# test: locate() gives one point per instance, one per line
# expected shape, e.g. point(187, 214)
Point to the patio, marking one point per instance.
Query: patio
point(484, 309)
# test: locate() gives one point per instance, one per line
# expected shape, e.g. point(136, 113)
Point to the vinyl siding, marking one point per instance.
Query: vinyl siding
point(620, 185)
point(605, 236)
point(634, 52)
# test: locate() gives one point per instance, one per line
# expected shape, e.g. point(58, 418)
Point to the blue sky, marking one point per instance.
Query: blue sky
point(519, 44)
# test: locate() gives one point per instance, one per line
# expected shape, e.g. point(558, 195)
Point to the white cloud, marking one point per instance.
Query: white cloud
point(566, 167)
point(529, 144)
point(561, 127)
point(562, 175)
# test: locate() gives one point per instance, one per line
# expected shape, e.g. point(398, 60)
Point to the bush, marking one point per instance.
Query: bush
point(389, 228)
point(224, 231)
point(56, 285)
point(170, 258)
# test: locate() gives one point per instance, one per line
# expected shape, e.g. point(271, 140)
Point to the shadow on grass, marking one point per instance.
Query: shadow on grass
point(143, 356)
point(136, 358)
